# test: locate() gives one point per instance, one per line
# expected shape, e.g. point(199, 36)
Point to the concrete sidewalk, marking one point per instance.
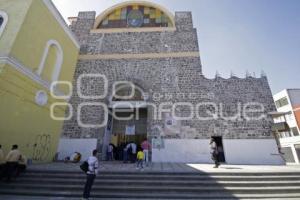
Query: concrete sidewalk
point(168, 167)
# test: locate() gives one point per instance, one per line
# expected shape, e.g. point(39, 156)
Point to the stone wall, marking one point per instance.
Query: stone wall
point(166, 79)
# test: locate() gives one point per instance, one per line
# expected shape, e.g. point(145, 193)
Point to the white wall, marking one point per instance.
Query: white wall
point(280, 95)
point(248, 151)
point(291, 142)
point(252, 151)
point(183, 150)
point(67, 147)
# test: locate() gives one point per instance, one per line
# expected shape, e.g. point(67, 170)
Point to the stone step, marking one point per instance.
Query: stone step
point(197, 173)
point(141, 176)
point(98, 181)
point(157, 185)
point(158, 189)
point(125, 195)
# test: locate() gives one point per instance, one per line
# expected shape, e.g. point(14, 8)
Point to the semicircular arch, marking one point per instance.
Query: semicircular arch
point(154, 15)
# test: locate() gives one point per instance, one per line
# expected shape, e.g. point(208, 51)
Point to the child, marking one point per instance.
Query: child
point(140, 159)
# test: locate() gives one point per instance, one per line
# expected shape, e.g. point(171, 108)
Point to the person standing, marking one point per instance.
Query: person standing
point(12, 161)
point(110, 152)
point(22, 165)
point(126, 152)
point(2, 161)
point(214, 152)
point(91, 174)
point(146, 147)
point(133, 152)
point(140, 159)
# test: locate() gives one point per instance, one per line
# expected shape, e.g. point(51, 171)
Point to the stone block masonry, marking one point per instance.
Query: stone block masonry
point(166, 65)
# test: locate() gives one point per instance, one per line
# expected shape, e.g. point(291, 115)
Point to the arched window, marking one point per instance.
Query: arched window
point(133, 15)
point(3, 21)
point(51, 62)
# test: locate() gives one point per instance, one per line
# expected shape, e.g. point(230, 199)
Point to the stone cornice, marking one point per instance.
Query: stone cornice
point(139, 56)
point(13, 62)
point(132, 30)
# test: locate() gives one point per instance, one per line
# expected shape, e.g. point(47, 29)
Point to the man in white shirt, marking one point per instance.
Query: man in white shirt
point(132, 154)
point(91, 174)
point(2, 161)
point(12, 160)
point(133, 146)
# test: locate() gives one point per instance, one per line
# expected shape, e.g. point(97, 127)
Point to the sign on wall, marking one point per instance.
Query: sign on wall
point(130, 130)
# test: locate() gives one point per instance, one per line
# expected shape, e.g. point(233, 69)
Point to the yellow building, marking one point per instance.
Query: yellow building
point(36, 49)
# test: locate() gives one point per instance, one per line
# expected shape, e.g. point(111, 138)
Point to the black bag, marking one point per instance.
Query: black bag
point(84, 166)
point(129, 151)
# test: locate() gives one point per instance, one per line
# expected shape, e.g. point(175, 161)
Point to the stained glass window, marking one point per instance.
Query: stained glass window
point(136, 16)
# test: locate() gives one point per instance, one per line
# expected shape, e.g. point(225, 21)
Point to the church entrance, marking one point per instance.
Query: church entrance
point(133, 130)
point(127, 120)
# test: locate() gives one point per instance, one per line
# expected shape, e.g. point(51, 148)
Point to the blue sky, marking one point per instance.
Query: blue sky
point(234, 35)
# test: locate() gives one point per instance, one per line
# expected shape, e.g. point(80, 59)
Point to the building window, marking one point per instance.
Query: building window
point(281, 102)
point(136, 16)
point(288, 154)
point(285, 134)
point(297, 148)
point(58, 52)
point(290, 117)
point(295, 131)
point(3, 21)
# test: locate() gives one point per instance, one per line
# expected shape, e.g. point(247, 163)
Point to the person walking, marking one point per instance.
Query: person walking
point(12, 161)
point(214, 152)
point(146, 147)
point(93, 165)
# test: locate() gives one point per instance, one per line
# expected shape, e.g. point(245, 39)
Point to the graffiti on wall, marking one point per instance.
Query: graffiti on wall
point(41, 147)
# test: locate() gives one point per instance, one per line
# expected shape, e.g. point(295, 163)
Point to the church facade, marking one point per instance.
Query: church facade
point(139, 75)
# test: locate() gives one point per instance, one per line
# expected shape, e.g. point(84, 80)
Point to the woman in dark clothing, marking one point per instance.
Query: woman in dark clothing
point(214, 152)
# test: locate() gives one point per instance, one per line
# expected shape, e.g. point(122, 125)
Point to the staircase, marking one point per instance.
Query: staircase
point(158, 185)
